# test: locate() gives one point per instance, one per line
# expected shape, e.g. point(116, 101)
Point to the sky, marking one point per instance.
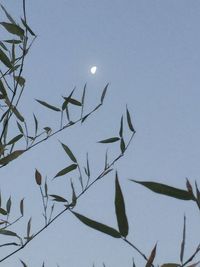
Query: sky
point(149, 52)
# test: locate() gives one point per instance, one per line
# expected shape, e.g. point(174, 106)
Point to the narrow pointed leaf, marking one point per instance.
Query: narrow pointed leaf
point(98, 226)
point(74, 102)
point(8, 205)
point(183, 241)
point(3, 46)
point(121, 127)
point(166, 190)
point(8, 15)
point(22, 207)
point(36, 124)
point(13, 41)
point(3, 212)
point(74, 198)
point(109, 140)
point(13, 28)
point(23, 263)
point(104, 93)
point(120, 209)
point(2, 89)
point(69, 152)
point(130, 125)
point(66, 170)
point(47, 105)
point(5, 59)
point(170, 265)
point(151, 257)
point(29, 228)
point(122, 145)
point(28, 28)
point(7, 232)
point(58, 198)
point(15, 139)
point(11, 157)
point(38, 177)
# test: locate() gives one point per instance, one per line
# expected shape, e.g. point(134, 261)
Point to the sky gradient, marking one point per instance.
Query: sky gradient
point(149, 52)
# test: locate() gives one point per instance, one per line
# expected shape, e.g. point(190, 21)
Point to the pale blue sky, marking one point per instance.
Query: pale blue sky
point(149, 51)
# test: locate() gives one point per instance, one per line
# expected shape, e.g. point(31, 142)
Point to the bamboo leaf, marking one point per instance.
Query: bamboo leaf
point(66, 170)
point(109, 140)
point(122, 145)
point(166, 190)
point(29, 229)
point(22, 207)
point(98, 226)
point(74, 102)
point(104, 93)
point(120, 209)
point(47, 105)
point(58, 198)
point(8, 15)
point(183, 241)
point(11, 157)
point(121, 128)
point(15, 139)
point(38, 177)
point(170, 265)
point(28, 28)
point(74, 198)
point(20, 80)
point(151, 257)
point(36, 124)
point(8, 205)
point(2, 89)
point(13, 41)
point(7, 232)
point(130, 125)
point(69, 152)
point(6, 61)
point(3, 212)
point(13, 28)
point(23, 263)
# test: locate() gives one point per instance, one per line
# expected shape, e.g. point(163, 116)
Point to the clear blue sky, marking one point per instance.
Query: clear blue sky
point(149, 51)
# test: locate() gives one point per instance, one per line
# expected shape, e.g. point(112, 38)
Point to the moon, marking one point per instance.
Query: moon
point(93, 70)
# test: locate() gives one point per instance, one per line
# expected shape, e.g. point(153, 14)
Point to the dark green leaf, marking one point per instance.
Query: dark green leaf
point(3, 212)
point(98, 226)
point(48, 105)
point(15, 139)
point(3, 46)
point(13, 28)
point(28, 28)
point(122, 145)
point(2, 89)
point(151, 257)
point(121, 127)
point(36, 124)
point(109, 140)
point(166, 190)
point(74, 198)
point(22, 207)
point(20, 80)
point(11, 157)
point(66, 170)
point(23, 263)
point(14, 109)
point(170, 265)
point(130, 125)
point(29, 228)
point(120, 209)
point(74, 102)
point(104, 93)
point(64, 106)
point(13, 41)
point(38, 177)
point(20, 127)
point(7, 232)
point(58, 198)
point(69, 152)
point(5, 59)
point(8, 15)
point(183, 241)
point(8, 205)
